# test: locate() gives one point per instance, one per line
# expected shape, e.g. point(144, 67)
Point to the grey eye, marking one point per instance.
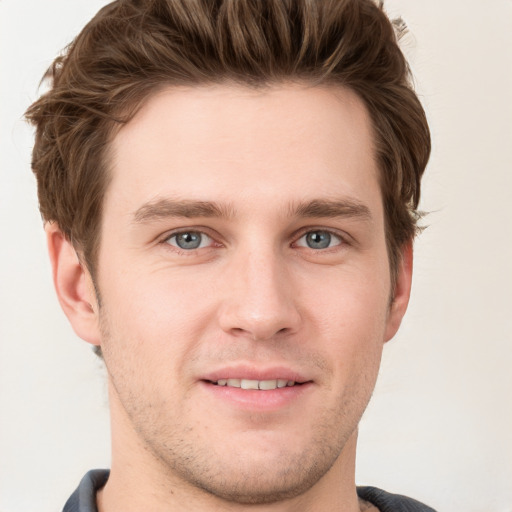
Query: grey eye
point(189, 240)
point(319, 240)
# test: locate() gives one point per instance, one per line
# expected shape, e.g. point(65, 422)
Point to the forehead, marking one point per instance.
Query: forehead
point(232, 143)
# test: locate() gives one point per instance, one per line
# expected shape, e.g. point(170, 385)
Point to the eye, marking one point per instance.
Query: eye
point(319, 239)
point(189, 240)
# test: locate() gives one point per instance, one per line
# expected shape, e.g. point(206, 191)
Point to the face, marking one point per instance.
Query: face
point(244, 283)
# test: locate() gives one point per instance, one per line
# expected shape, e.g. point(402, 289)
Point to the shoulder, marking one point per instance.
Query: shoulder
point(84, 497)
point(387, 502)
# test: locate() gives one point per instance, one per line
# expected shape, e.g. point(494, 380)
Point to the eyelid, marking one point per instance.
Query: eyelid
point(345, 238)
point(205, 240)
point(164, 239)
point(185, 229)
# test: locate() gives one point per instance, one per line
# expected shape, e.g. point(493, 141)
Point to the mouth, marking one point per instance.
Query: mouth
point(257, 390)
point(263, 385)
point(248, 387)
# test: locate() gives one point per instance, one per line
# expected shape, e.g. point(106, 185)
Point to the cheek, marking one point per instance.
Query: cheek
point(351, 301)
point(155, 298)
point(351, 316)
point(147, 338)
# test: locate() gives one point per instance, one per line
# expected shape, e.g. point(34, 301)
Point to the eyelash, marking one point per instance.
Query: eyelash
point(342, 238)
point(332, 234)
point(181, 251)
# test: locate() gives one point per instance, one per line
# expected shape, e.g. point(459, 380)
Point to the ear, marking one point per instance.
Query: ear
point(74, 285)
point(402, 293)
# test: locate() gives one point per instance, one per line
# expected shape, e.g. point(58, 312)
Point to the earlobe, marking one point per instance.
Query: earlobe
point(402, 292)
point(74, 286)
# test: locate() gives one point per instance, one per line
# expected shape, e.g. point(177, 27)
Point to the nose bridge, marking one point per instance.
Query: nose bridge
point(260, 302)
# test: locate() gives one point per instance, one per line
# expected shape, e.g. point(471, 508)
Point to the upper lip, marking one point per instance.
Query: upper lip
point(251, 372)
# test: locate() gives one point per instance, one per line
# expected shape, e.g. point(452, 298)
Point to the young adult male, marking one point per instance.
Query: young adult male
point(229, 189)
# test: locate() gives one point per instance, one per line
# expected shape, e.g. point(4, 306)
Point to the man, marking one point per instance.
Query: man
point(229, 189)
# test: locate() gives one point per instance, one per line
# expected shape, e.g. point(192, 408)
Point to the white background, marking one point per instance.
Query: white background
point(440, 424)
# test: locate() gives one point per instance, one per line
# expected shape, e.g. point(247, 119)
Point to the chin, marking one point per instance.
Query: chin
point(262, 476)
point(259, 487)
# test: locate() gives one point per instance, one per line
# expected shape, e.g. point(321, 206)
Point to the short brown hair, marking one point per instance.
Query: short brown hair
point(133, 47)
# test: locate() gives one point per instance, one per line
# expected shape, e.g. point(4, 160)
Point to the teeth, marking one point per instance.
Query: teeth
point(249, 384)
point(268, 384)
point(256, 384)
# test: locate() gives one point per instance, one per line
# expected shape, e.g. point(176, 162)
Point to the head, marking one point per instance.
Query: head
point(239, 180)
point(132, 49)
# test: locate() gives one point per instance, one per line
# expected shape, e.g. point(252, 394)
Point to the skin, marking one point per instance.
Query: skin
point(254, 297)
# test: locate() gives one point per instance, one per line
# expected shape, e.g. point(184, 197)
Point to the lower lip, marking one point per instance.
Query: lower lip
point(258, 400)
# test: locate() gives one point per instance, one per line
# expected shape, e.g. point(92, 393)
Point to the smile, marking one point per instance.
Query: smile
point(265, 390)
point(263, 385)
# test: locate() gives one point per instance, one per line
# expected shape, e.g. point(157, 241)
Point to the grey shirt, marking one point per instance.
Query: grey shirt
point(84, 498)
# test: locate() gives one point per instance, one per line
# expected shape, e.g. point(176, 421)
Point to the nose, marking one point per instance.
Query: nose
point(259, 298)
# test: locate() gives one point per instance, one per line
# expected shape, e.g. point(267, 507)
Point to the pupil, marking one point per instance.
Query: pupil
point(318, 239)
point(188, 240)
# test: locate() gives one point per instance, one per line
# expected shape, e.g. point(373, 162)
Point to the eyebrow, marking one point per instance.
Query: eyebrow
point(164, 208)
point(327, 208)
point(319, 208)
